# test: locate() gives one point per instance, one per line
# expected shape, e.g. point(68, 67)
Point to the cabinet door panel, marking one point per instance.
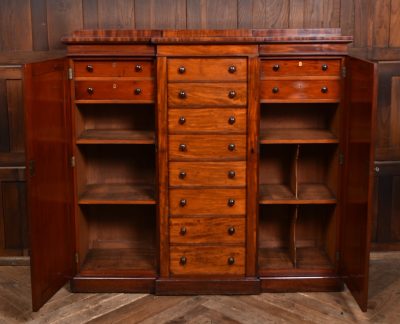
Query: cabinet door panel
point(361, 94)
point(48, 178)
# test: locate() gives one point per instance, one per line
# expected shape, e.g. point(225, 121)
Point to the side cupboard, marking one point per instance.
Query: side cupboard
point(200, 162)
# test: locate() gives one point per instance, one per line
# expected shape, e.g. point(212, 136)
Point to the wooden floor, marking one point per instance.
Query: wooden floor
point(64, 307)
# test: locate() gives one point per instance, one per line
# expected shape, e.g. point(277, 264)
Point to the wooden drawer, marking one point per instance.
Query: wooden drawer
point(285, 68)
point(115, 90)
point(207, 94)
point(207, 69)
point(184, 174)
point(207, 147)
point(303, 90)
point(207, 202)
point(207, 230)
point(135, 69)
point(207, 261)
point(214, 120)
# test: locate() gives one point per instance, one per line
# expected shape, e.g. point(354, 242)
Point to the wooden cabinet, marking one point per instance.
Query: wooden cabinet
point(201, 163)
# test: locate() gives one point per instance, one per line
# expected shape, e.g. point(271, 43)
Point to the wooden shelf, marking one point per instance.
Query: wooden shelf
point(114, 136)
point(119, 262)
point(297, 136)
point(307, 194)
point(130, 194)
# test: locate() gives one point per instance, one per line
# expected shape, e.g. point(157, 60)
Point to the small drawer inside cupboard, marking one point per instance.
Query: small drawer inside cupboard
point(132, 69)
point(207, 260)
point(286, 68)
point(207, 120)
point(203, 69)
point(292, 90)
point(115, 90)
point(206, 230)
point(207, 202)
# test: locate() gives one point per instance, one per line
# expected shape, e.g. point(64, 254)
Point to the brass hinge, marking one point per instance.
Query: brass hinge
point(337, 256)
point(70, 74)
point(32, 167)
point(73, 163)
point(341, 158)
point(76, 257)
point(344, 72)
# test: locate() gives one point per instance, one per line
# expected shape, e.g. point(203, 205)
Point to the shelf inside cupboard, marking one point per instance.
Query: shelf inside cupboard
point(297, 136)
point(113, 136)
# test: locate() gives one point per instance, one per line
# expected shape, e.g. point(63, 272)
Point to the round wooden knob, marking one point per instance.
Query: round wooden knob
point(89, 68)
point(276, 67)
point(182, 94)
point(138, 68)
point(324, 89)
point(182, 175)
point(232, 94)
point(181, 69)
point(232, 69)
point(182, 147)
point(138, 91)
point(231, 230)
point(182, 260)
point(231, 202)
point(231, 260)
point(275, 90)
point(90, 90)
point(182, 202)
point(182, 120)
point(231, 147)
point(183, 231)
point(231, 174)
point(324, 67)
point(231, 120)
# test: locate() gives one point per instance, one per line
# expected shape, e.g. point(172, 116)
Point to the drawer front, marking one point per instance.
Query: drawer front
point(289, 90)
point(207, 94)
point(207, 147)
point(207, 174)
point(207, 230)
point(207, 260)
point(207, 69)
point(115, 90)
point(207, 202)
point(221, 120)
point(136, 69)
point(284, 68)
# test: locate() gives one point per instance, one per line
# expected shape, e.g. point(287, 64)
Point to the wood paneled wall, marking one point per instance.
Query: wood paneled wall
point(38, 24)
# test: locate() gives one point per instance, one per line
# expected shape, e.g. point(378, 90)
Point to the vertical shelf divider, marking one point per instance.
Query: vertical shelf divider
point(292, 241)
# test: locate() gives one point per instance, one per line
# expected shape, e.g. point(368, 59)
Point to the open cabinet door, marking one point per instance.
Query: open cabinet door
point(359, 115)
point(49, 178)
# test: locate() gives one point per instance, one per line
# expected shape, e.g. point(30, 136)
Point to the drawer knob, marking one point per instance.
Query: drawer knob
point(275, 90)
point(182, 175)
point(181, 69)
point(183, 231)
point(138, 68)
point(276, 67)
point(89, 68)
point(231, 230)
point(182, 147)
point(182, 94)
point(231, 202)
point(182, 260)
point(231, 260)
point(231, 120)
point(232, 69)
point(232, 94)
point(324, 89)
point(90, 90)
point(231, 147)
point(231, 174)
point(324, 67)
point(182, 120)
point(138, 91)
point(182, 202)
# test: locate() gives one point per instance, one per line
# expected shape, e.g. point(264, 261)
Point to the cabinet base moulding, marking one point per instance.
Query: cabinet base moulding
point(112, 285)
point(296, 284)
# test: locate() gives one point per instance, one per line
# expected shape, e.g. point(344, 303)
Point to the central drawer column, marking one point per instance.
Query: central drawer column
point(205, 222)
